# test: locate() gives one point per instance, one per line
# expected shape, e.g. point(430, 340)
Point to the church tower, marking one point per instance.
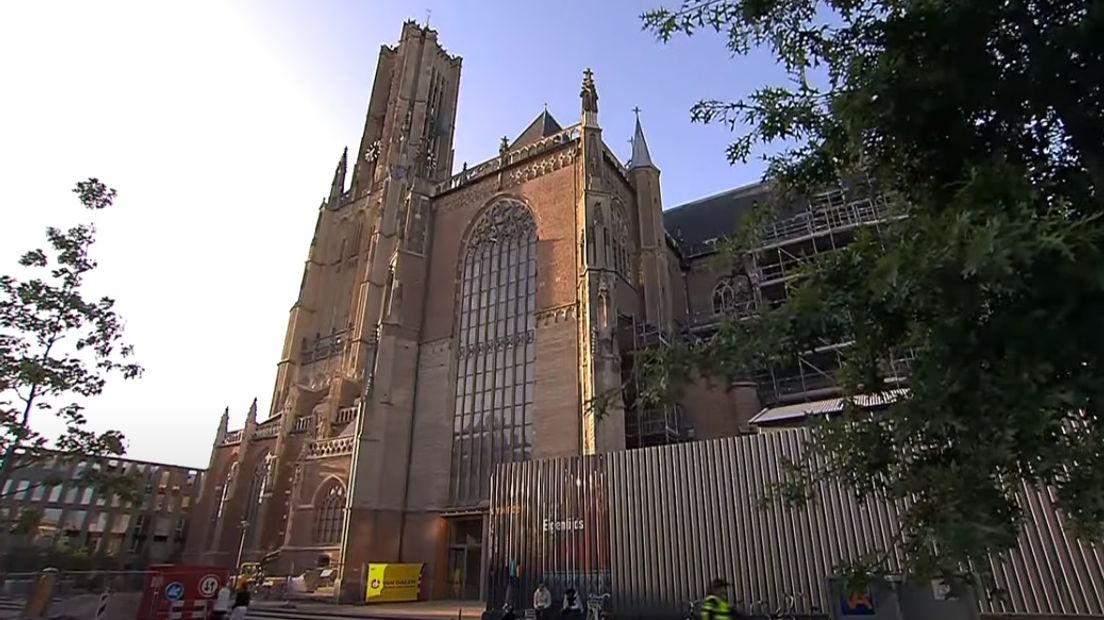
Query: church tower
point(342, 392)
point(654, 268)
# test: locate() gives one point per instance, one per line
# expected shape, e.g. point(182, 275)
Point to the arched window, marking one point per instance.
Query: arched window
point(724, 298)
point(253, 503)
point(329, 513)
point(620, 233)
point(733, 296)
point(493, 420)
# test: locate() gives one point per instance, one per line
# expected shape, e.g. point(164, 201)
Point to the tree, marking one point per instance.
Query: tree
point(57, 346)
point(982, 120)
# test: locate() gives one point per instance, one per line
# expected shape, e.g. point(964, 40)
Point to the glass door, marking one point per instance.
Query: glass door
point(464, 578)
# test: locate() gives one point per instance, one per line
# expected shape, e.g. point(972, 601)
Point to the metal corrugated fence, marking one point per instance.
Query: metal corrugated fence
point(652, 527)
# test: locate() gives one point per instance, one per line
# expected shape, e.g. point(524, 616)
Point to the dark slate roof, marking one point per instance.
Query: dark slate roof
point(713, 217)
point(541, 127)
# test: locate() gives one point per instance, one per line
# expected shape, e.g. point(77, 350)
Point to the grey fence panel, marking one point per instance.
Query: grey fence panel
point(652, 527)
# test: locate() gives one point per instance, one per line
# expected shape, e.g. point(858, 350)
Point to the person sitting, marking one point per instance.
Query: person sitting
point(542, 601)
point(572, 605)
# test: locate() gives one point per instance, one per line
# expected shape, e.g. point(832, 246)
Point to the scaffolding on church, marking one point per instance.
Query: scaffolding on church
point(828, 222)
point(647, 426)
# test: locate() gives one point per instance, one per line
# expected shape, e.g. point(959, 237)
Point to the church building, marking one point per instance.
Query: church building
point(451, 320)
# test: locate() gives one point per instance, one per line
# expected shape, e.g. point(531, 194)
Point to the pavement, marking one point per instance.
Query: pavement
point(421, 610)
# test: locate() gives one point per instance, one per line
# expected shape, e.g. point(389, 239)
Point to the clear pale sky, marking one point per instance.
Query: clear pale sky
point(220, 123)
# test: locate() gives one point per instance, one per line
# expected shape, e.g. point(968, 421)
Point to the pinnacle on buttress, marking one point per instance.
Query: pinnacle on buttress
point(337, 187)
point(252, 417)
point(589, 94)
point(641, 158)
point(224, 426)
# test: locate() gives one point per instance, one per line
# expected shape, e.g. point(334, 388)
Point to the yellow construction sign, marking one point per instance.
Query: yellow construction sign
point(394, 582)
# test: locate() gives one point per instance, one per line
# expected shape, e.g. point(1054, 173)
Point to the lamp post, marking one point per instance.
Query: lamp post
point(241, 546)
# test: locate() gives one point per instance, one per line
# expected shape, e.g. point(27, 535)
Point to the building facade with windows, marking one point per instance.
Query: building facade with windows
point(454, 318)
point(112, 532)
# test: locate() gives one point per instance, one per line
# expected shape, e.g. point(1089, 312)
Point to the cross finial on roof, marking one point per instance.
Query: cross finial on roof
point(637, 111)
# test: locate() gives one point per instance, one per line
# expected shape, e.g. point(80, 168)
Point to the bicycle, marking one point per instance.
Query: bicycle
point(693, 610)
point(596, 607)
point(786, 611)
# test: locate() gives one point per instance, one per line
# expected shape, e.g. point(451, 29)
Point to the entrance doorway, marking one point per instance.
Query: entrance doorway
point(465, 558)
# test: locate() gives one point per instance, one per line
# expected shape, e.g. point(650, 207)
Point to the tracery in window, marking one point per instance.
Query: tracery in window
point(329, 512)
point(253, 503)
point(733, 296)
point(619, 231)
point(492, 420)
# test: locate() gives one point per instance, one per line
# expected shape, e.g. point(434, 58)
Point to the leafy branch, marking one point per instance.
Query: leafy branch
point(981, 122)
point(56, 344)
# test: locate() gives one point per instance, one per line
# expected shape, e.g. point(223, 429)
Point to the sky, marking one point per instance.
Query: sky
point(220, 123)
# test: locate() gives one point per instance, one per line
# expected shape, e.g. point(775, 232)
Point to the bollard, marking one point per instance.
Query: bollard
point(101, 609)
point(38, 601)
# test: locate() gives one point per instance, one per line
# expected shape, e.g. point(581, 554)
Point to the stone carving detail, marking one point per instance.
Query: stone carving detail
point(303, 424)
point(268, 481)
point(506, 219)
point(326, 448)
point(523, 154)
point(541, 167)
point(589, 93)
point(497, 344)
point(267, 429)
point(556, 315)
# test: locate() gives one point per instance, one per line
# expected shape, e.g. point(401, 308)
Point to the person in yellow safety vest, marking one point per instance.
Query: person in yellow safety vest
point(716, 605)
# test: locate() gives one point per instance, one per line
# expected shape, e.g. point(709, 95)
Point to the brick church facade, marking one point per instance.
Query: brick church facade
point(447, 323)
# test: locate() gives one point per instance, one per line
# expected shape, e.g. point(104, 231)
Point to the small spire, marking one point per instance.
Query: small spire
point(503, 146)
point(224, 426)
point(337, 187)
point(641, 158)
point(252, 417)
point(589, 94)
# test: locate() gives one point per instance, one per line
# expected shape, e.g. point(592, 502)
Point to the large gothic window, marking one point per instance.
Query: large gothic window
point(620, 248)
point(253, 504)
point(493, 418)
point(329, 510)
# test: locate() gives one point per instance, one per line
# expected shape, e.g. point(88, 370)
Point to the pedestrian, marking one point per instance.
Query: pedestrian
point(572, 606)
point(222, 602)
point(542, 601)
point(241, 600)
point(716, 605)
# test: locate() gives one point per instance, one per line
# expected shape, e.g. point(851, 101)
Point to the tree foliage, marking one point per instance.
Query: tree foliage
point(982, 120)
point(57, 346)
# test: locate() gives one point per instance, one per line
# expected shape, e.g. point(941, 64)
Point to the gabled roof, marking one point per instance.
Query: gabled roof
point(718, 216)
point(541, 127)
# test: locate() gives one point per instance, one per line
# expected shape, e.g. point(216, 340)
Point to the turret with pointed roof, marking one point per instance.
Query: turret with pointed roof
point(640, 155)
point(644, 176)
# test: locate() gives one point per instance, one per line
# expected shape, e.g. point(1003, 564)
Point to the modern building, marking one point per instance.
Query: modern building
point(453, 318)
point(76, 516)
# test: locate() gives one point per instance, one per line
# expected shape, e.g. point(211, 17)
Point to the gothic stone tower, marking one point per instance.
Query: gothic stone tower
point(445, 324)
